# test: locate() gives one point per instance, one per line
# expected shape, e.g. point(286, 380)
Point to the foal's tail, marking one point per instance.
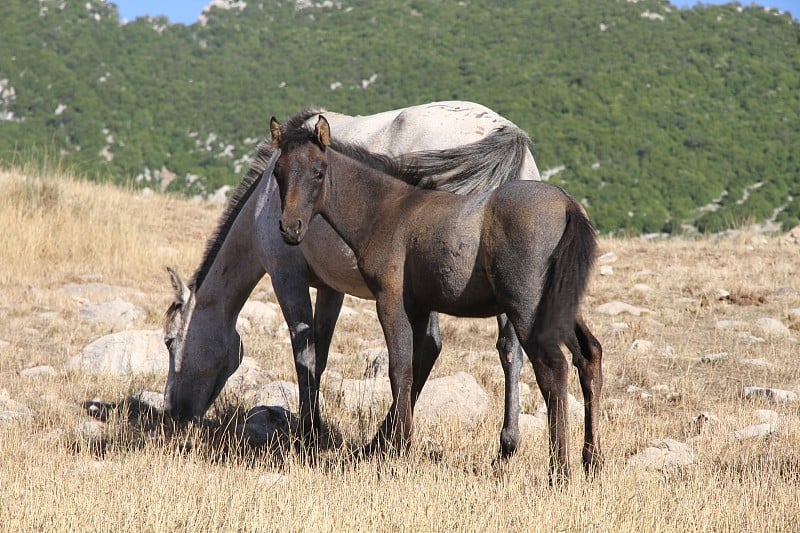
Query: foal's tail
point(567, 276)
point(478, 166)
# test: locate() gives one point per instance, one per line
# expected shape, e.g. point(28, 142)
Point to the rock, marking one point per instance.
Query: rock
point(283, 394)
point(267, 424)
point(458, 397)
point(606, 270)
point(641, 346)
point(260, 315)
point(766, 416)
point(151, 399)
point(574, 408)
point(532, 423)
point(760, 363)
point(714, 357)
point(12, 410)
point(606, 258)
point(42, 371)
point(757, 431)
point(773, 395)
point(116, 313)
point(362, 395)
point(772, 327)
point(248, 376)
point(664, 454)
point(642, 288)
point(4, 345)
point(748, 338)
point(615, 308)
point(792, 314)
point(125, 353)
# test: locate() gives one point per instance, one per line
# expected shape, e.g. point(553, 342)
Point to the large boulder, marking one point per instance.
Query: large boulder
point(125, 353)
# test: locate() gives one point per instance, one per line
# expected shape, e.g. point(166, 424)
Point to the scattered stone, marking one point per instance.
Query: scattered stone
point(151, 399)
point(772, 327)
point(248, 376)
point(125, 353)
point(714, 357)
point(116, 313)
point(663, 455)
point(792, 314)
point(722, 294)
point(531, 423)
point(259, 314)
point(642, 288)
point(791, 238)
point(42, 371)
point(4, 345)
point(12, 410)
point(616, 308)
point(641, 346)
point(606, 270)
point(757, 431)
point(267, 424)
point(633, 390)
point(363, 395)
point(606, 258)
point(773, 395)
point(457, 397)
point(283, 394)
point(575, 409)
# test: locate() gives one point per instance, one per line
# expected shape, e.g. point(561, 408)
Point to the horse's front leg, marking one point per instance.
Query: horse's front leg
point(326, 312)
point(587, 356)
point(511, 358)
point(292, 293)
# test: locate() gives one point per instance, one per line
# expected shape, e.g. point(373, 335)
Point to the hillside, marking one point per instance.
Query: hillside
point(654, 117)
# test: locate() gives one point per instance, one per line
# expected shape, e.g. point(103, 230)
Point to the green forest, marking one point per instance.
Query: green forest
point(659, 119)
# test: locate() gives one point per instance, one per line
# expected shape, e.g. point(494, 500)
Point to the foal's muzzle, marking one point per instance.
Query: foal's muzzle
point(292, 232)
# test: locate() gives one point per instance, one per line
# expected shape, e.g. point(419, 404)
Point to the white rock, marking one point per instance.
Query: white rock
point(772, 327)
point(616, 308)
point(123, 354)
point(370, 396)
point(773, 395)
point(608, 257)
point(664, 454)
point(641, 346)
point(731, 324)
point(12, 410)
point(116, 313)
point(457, 397)
point(606, 270)
point(714, 357)
point(42, 371)
point(757, 431)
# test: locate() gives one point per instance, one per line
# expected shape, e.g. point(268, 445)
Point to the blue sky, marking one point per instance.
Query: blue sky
point(187, 11)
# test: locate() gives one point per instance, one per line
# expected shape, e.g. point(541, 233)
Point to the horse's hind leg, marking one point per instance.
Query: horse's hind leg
point(510, 353)
point(425, 355)
point(587, 356)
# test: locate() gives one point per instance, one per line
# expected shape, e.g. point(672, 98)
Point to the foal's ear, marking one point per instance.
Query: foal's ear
point(275, 130)
point(323, 132)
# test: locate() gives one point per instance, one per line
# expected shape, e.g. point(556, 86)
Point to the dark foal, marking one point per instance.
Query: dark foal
point(524, 249)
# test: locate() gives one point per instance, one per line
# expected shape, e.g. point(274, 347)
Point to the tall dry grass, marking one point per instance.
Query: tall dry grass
point(59, 230)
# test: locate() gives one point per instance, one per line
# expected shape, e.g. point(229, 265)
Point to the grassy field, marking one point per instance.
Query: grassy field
point(59, 231)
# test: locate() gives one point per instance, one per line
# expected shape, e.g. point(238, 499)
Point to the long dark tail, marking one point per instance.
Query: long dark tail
point(567, 277)
point(479, 166)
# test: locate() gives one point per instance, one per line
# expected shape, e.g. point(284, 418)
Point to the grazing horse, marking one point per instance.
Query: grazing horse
point(524, 249)
point(458, 146)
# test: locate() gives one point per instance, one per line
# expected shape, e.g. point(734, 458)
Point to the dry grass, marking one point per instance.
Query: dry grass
point(60, 231)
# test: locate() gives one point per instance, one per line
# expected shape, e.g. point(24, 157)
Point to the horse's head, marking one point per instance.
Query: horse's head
point(300, 173)
point(203, 353)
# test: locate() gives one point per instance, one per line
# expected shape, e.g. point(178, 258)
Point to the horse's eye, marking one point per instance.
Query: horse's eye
point(319, 174)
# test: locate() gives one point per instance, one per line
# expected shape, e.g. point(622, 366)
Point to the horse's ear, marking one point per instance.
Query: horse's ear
point(323, 132)
point(181, 290)
point(275, 130)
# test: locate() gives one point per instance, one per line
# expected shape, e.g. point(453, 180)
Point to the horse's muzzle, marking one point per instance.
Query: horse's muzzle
point(293, 232)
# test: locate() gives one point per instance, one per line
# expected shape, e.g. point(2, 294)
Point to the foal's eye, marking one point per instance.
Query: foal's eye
point(319, 174)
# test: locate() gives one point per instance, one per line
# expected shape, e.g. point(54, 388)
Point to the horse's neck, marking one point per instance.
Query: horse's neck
point(355, 194)
point(235, 271)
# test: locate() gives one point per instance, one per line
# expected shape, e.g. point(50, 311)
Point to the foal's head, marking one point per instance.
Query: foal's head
point(300, 172)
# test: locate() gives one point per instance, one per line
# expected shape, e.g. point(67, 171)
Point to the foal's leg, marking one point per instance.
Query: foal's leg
point(511, 360)
point(587, 355)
